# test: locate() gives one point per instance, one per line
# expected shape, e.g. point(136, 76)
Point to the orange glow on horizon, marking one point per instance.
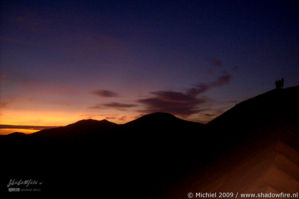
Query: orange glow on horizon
point(6, 131)
point(61, 118)
point(38, 118)
point(58, 118)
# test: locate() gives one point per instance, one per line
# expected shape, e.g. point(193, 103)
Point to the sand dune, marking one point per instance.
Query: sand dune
point(268, 165)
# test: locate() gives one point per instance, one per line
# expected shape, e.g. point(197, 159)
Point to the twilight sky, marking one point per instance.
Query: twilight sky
point(62, 61)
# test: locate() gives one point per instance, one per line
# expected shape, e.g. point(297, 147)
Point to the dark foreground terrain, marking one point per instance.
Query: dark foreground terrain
point(252, 147)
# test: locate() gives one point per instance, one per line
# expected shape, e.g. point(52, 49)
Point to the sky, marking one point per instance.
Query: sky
point(63, 61)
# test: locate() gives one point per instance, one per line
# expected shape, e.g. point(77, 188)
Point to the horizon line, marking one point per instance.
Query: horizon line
point(33, 127)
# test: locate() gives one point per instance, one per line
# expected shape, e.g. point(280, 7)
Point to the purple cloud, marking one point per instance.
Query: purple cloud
point(204, 87)
point(115, 105)
point(105, 93)
point(182, 103)
point(119, 105)
point(172, 102)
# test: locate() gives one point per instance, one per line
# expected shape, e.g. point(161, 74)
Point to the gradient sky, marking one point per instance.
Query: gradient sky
point(62, 61)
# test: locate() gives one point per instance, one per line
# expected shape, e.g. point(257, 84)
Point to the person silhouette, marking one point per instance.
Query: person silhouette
point(279, 83)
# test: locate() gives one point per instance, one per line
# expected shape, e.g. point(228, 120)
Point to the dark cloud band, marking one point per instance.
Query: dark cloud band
point(105, 93)
point(182, 103)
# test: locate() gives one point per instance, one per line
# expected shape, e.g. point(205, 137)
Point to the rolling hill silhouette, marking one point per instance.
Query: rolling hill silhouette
point(82, 128)
point(162, 156)
point(160, 120)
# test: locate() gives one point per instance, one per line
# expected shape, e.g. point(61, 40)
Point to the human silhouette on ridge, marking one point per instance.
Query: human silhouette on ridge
point(279, 83)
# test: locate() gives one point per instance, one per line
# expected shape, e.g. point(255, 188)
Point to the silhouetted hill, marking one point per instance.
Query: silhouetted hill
point(157, 155)
point(16, 134)
point(157, 119)
point(247, 119)
point(275, 105)
point(162, 121)
point(78, 129)
point(143, 150)
point(155, 128)
point(258, 148)
point(92, 123)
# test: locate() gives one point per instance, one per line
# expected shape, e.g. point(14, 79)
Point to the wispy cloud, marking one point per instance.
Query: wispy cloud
point(182, 103)
point(105, 93)
point(119, 105)
point(172, 102)
point(114, 105)
point(203, 87)
point(12, 40)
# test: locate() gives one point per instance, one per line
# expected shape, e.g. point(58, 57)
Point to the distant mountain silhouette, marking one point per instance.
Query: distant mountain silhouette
point(81, 128)
point(163, 124)
point(16, 134)
point(158, 118)
point(156, 153)
point(152, 121)
point(94, 123)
